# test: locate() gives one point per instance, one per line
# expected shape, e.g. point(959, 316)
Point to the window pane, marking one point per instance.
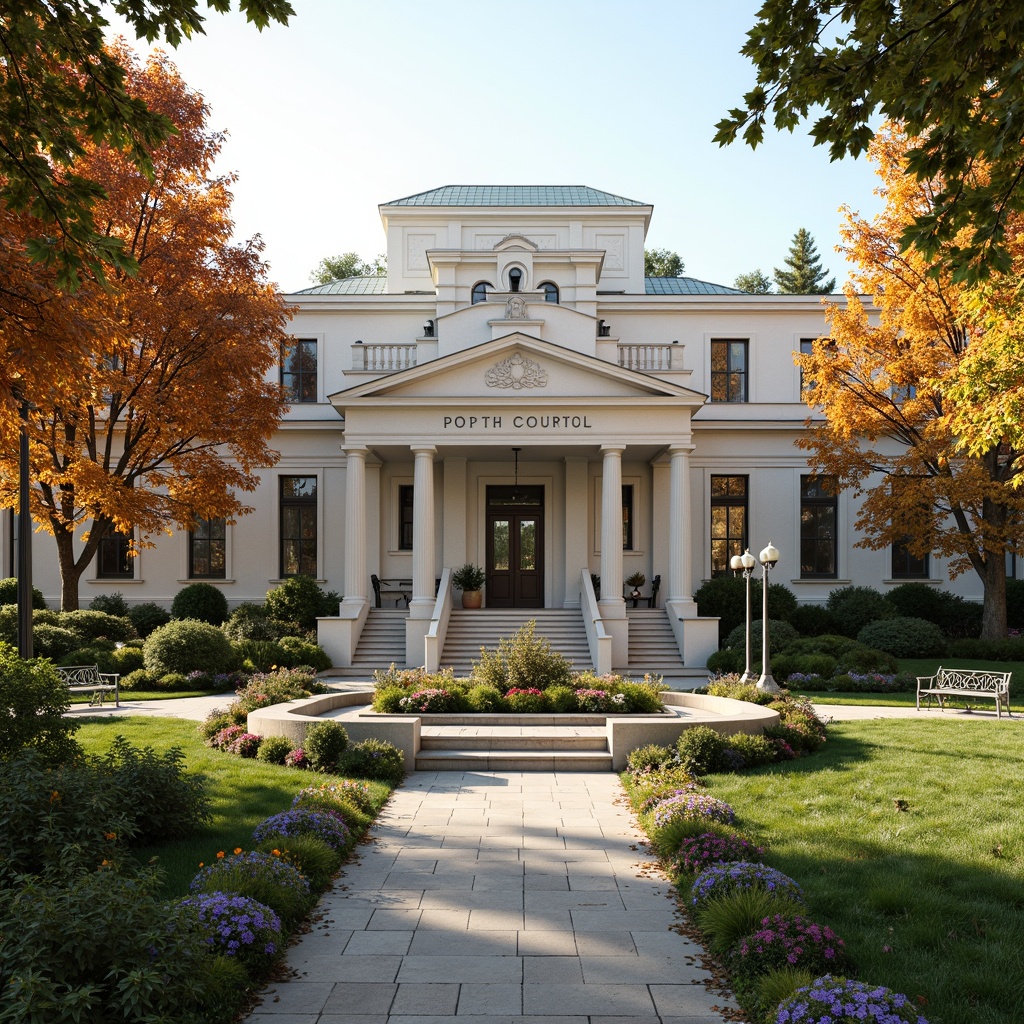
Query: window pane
point(499, 543)
point(527, 544)
point(818, 527)
point(728, 516)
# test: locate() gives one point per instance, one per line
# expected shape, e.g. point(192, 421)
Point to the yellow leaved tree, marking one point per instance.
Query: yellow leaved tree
point(889, 400)
point(159, 406)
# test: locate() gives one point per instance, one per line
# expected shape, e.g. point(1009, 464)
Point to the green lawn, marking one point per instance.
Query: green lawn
point(243, 791)
point(930, 899)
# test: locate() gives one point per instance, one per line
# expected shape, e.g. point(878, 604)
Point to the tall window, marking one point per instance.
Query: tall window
point(405, 507)
point(627, 517)
point(819, 518)
point(298, 526)
point(207, 550)
point(550, 290)
point(114, 560)
point(515, 280)
point(479, 293)
point(728, 370)
point(298, 371)
point(806, 349)
point(906, 566)
point(728, 521)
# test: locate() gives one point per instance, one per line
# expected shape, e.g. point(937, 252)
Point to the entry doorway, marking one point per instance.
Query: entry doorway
point(515, 547)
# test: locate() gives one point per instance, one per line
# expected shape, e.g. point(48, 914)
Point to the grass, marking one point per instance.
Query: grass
point(927, 667)
point(930, 899)
point(243, 791)
point(84, 698)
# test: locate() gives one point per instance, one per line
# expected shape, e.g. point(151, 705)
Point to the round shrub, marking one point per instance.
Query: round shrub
point(860, 659)
point(433, 700)
point(237, 926)
point(642, 698)
point(184, 645)
point(172, 682)
point(526, 701)
point(9, 593)
point(591, 701)
point(343, 791)
point(645, 760)
point(725, 879)
point(780, 635)
point(93, 626)
point(829, 1000)
point(260, 655)
point(562, 699)
point(148, 616)
point(300, 599)
point(296, 759)
point(755, 750)
point(690, 805)
point(489, 699)
point(274, 749)
point(375, 759)
point(245, 744)
point(916, 601)
point(261, 876)
point(855, 607)
point(112, 604)
point(312, 856)
point(139, 679)
point(700, 749)
point(128, 659)
point(832, 644)
point(303, 652)
point(388, 699)
point(324, 744)
point(698, 852)
point(301, 821)
point(522, 661)
point(904, 637)
point(251, 622)
point(790, 942)
point(813, 620)
point(54, 641)
point(95, 654)
point(960, 617)
point(200, 601)
point(728, 660)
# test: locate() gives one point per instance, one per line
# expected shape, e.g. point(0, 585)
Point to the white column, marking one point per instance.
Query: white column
point(423, 556)
point(456, 534)
point(575, 535)
point(612, 603)
point(679, 579)
point(356, 579)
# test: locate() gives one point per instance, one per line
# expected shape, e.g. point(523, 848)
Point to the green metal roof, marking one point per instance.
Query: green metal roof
point(348, 286)
point(514, 195)
point(686, 286)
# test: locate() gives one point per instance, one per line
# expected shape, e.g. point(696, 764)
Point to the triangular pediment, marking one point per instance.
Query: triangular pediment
point(517, 366)
point(515, 241)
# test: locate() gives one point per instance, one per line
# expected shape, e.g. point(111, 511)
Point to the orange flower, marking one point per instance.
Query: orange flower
point(238, 849)
point(220, 854)
point(109, 835)
point(276, 853)
point(201, 864)
point(55, 797)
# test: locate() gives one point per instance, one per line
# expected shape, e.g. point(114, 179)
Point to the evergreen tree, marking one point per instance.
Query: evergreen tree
point(805, 275)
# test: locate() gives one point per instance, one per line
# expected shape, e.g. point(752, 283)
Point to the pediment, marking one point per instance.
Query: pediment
point(515, 241)
point(516, 366)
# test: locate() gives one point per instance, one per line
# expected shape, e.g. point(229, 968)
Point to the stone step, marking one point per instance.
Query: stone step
point(461, 760)
point(514, 742)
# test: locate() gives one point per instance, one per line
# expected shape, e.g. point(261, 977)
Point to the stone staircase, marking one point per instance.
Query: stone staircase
point(652, 644)
point(468, 631)
point(514, 743)
point(381, 643)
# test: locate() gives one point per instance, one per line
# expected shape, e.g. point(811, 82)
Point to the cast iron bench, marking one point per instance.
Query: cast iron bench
point(398, 589)
point(89, 679)
point(965, 682)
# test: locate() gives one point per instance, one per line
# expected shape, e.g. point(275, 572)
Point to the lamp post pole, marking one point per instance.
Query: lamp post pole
point(24, 543)
point(746, 563)
point(768, 557)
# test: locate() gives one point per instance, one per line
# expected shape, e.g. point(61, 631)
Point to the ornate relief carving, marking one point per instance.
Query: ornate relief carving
point(516, 373)
point(515, 308)
point(613, 247)
point(416, 251)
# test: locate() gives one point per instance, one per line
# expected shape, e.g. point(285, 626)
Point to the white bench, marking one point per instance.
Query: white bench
point(967, 683)
point(89, 679)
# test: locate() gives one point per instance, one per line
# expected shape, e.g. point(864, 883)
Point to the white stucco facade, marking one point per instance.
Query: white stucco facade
point(638, 449)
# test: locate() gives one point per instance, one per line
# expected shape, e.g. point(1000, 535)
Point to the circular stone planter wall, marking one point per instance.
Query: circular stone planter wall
point(625, 732)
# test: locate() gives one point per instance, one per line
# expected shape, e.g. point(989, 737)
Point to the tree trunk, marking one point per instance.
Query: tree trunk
point(993, 618)
point(70, 572)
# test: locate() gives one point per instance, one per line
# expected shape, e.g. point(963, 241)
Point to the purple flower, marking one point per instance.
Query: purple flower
point(698, 852)
point(234, 924)
point(790, 942)
point(725, 879)
point(829, 1000)
point(326, 825)
point(689, 805)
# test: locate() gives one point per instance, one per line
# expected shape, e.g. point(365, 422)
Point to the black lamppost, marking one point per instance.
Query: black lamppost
point(746, 563)
point(768, 557)
point(24, 540)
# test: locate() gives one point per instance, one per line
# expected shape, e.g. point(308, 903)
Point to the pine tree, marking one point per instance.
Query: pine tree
point(805, 275)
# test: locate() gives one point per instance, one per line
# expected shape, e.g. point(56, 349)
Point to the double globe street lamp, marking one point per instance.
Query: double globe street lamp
point(768, 558)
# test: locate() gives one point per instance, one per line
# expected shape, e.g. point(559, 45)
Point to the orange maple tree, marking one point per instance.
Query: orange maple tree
point(882, 391)
point(159, 406)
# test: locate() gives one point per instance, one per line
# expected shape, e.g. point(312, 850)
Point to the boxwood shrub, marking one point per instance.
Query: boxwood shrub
point(201, 601)
point(185, 644)
point(904, 637)
point(855, 607)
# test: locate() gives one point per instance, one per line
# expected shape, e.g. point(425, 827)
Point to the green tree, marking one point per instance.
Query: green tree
point(61, 90)
point(805, 275)
point(757, 282)
point(662, 263)
point(348, 264)
point(950, 72)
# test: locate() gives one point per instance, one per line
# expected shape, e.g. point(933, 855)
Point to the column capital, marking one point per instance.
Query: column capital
point(613, 448)
point(681, 449)
point(358, 450)
point(423, 449)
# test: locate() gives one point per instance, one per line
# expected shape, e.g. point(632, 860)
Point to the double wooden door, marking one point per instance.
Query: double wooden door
point(515, 547)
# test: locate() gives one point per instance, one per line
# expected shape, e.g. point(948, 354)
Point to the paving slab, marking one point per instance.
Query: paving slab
point(498, 898)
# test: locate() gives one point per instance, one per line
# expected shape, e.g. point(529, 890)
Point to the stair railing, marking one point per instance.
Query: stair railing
point(598, 639)
point(433, 642)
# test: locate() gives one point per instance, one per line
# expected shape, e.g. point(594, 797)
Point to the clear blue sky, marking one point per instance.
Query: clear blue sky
point(355, 104)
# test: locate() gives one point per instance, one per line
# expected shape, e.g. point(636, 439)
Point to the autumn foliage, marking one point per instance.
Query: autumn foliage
point(887, 423)
point(152, 397)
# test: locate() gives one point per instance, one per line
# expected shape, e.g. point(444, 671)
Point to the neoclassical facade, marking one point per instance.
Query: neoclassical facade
point(515, 393)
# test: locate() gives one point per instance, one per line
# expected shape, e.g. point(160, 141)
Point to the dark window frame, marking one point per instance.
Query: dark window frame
point(818, 504)
point(479, 291)
point(628, 517)
point(550, 290)
point(731, 498)
point(406, 506)
point(299, 380)
point(304, 505)
point(905, 566)
point(113, 558)
point(210, 540)
point(729, 384)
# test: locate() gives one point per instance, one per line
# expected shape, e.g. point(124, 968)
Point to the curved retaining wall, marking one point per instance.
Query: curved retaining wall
point(625, 732)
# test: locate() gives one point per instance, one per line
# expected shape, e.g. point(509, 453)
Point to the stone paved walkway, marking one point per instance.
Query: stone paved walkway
point(511, 898)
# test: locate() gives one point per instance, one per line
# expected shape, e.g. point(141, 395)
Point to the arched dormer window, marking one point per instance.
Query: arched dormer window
point(550, 291)
point(480, 292)
point(515, 280)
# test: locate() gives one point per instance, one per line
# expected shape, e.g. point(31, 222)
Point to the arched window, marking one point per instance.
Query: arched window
point(480, 292)
point(550, 291)
point(515, 280)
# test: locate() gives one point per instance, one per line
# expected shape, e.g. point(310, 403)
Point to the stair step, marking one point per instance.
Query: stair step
point(517, 742)
point(459, 760)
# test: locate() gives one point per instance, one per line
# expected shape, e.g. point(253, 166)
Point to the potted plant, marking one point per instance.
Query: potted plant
point(469, 578)
point(636, 581)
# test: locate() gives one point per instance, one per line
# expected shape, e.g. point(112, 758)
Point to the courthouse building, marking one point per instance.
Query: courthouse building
point(516, 394)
